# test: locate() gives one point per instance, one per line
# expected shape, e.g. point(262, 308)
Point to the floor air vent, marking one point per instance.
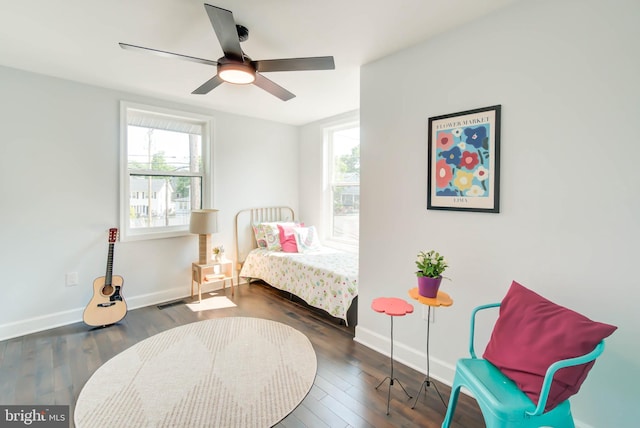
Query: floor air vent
point(170, 304)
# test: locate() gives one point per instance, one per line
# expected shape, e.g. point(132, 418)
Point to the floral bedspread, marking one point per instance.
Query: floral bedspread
point(325, 279)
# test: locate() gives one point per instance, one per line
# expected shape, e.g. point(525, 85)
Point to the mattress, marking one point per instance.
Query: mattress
point(325, 278)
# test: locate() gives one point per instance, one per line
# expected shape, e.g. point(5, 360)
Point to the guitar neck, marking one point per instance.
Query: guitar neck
point(107, 277)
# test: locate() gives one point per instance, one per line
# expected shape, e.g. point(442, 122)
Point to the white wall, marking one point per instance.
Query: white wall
point(566, 74)
point(59, 169)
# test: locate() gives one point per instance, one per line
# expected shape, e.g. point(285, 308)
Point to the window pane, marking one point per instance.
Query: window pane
point(346, 210)
point(162, 201)
point(345, 150)
point(165, 170)
point(346, 155)
point(160, 150)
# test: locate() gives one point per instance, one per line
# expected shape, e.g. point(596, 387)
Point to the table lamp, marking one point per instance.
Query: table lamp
point(204, 223)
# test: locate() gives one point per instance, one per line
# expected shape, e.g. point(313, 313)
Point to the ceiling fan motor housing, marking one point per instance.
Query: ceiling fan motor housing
point(236, 71)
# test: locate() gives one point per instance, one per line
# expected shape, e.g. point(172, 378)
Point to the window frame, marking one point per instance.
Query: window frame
point(206, 175)
point(329, 165)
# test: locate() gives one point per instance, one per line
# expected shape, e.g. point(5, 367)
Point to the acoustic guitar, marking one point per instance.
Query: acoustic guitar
point(107, 306)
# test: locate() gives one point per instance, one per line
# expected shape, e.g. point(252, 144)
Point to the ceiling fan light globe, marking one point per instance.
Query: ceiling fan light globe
point(237, 73)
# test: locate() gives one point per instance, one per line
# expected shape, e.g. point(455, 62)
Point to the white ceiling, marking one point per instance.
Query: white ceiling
point(78, 40)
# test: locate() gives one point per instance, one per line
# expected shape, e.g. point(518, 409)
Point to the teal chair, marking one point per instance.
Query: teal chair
point(502, 403)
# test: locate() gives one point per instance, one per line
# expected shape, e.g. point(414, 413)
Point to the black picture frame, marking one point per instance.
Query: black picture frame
point(464, 161)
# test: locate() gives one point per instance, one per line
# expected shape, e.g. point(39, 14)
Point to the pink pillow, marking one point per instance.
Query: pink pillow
point(288, 238)
point(531, 333)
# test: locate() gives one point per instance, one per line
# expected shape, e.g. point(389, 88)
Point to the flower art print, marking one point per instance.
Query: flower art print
point(464, 154)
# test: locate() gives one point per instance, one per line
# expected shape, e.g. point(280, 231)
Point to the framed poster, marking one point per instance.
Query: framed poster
point(464, 161)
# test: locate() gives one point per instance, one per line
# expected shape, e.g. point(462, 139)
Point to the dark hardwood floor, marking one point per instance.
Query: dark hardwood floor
point(51, 367)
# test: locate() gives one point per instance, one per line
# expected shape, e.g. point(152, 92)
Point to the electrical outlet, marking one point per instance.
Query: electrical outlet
point(71, 279)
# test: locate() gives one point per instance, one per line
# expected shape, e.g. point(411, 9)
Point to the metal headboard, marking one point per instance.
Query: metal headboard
point(245, 240)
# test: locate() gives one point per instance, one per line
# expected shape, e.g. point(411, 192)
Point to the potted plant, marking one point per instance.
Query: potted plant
point(219, 253)
point(431, 265)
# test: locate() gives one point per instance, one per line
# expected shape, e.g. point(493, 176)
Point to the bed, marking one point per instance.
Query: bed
point(322, 277)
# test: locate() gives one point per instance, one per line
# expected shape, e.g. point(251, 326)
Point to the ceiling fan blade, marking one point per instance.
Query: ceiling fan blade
point(273, 88)
point(295, 64)
point(225, 27)
point(208, 86)
point(167, 54)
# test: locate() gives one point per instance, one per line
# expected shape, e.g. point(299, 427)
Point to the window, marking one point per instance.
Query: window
point(165, 170)
point(343, 167)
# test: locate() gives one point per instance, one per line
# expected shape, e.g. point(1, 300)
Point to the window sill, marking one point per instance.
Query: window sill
point(146, 235)
point(344, 246)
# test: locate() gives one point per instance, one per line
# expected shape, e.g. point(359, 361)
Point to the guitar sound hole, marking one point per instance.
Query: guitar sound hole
point(107, 290)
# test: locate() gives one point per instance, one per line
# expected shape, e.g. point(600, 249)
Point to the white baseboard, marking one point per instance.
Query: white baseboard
point(417, 360)
point(58, 319)
point(36, 324)
point(410, 357)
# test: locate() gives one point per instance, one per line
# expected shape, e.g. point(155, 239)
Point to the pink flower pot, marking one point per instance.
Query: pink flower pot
point(428, 287)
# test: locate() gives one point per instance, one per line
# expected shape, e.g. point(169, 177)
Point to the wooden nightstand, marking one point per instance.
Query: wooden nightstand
point(206, 274)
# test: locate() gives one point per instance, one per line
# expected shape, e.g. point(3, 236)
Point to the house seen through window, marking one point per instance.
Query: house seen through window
point(344, 183)
point(165, 171)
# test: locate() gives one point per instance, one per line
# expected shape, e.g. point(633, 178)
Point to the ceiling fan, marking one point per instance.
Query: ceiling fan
point(235, 66)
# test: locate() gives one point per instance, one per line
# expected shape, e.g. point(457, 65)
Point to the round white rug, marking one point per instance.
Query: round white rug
point(225, 372)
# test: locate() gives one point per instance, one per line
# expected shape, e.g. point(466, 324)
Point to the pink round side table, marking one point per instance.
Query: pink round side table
point(394, 307)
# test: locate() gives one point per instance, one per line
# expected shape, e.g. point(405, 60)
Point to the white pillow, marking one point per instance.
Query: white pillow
point(306, 239)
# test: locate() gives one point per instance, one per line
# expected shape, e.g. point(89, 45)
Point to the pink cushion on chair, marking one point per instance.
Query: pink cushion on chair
point(531, 333)
point(288, 238)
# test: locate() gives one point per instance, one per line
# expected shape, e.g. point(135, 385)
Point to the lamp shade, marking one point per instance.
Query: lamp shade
point(203, 222)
